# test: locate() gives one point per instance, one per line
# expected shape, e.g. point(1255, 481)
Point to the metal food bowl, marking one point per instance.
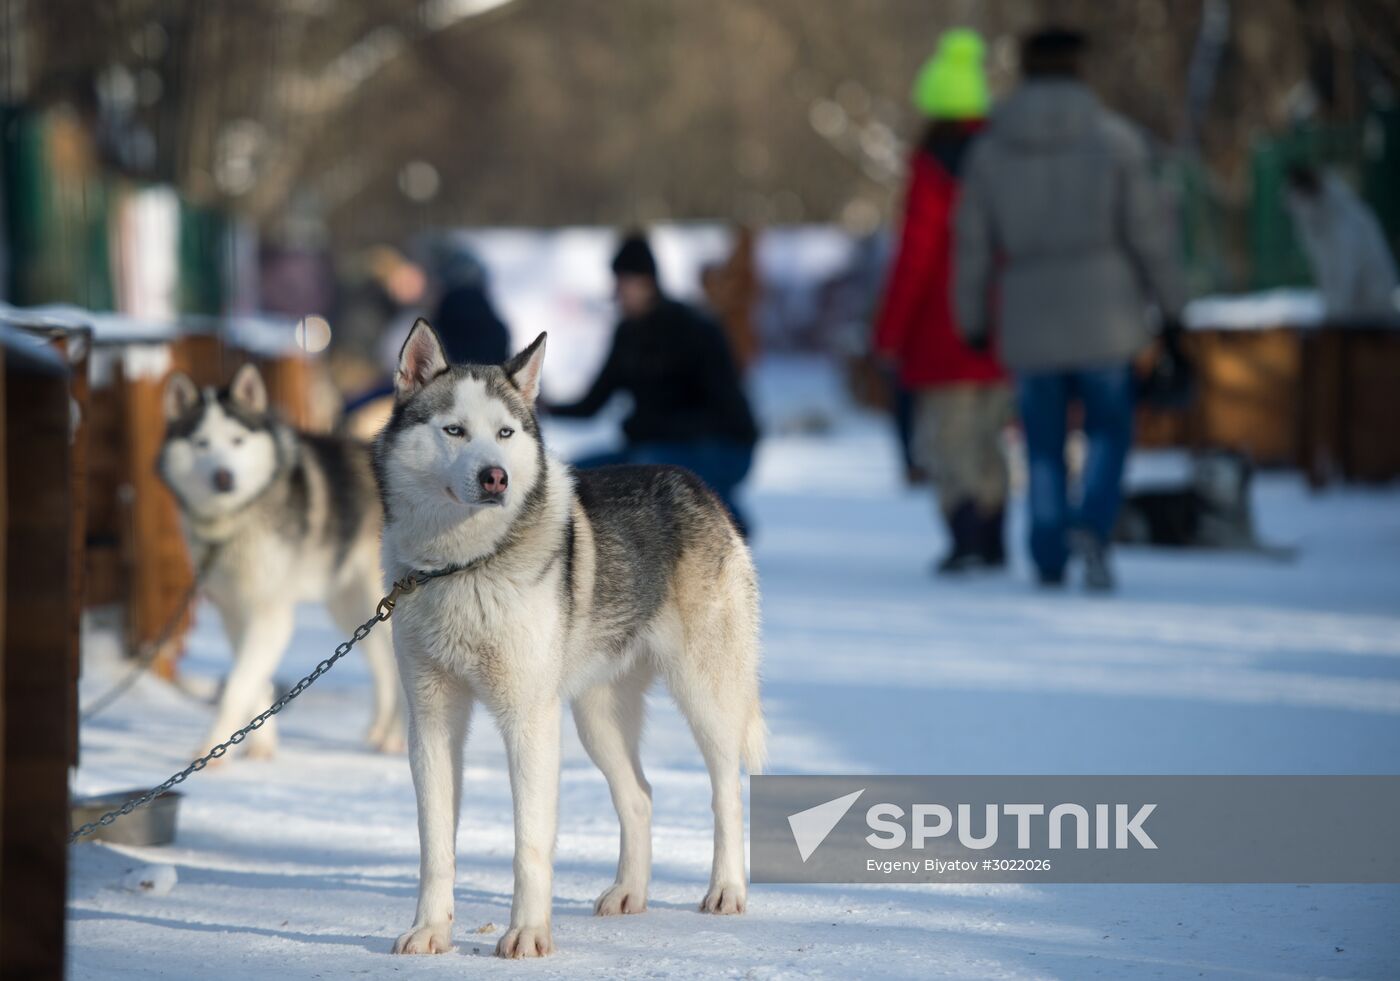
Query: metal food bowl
point(153, 824)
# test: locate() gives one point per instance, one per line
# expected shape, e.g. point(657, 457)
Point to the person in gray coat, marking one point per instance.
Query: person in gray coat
point(1345, 247)
point(1061, 244)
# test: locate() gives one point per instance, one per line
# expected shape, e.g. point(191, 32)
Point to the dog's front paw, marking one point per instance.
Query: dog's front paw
point(619, 898)
point(525, 941)
point(435, 938)
point(725, 899)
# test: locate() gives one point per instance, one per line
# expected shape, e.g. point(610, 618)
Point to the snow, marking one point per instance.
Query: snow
point(151, 880)
point(1292, 307)
point(1283, 307)
point(306, 866)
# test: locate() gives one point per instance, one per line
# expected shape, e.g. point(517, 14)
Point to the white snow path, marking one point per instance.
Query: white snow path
point(306, 866)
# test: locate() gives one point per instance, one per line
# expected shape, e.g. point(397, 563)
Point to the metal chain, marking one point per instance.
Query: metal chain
point(382, 613)
point(147, 659)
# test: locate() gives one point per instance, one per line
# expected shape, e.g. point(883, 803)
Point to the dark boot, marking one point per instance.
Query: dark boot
point(991, 540)
point(1098, 575)
point(965, 525)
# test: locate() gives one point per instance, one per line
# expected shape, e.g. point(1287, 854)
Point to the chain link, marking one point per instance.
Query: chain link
point(382, 613)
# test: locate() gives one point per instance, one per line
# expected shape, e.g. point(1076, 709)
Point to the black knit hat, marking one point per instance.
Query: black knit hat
point(1053, 51)
point(634, 257)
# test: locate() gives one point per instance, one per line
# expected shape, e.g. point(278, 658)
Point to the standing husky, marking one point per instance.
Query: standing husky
point(566, 587)
point(291, 518)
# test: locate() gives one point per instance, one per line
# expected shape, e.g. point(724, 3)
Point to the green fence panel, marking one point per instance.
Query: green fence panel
point(204, 254)
point(56, 219)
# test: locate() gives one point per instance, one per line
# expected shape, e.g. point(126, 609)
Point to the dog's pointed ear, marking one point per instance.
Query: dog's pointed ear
point(524, 369)
point(247, 389)
point(179, 397)
point(421, 360)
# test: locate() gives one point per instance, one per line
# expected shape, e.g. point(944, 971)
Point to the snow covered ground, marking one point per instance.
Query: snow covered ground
point(306, 866)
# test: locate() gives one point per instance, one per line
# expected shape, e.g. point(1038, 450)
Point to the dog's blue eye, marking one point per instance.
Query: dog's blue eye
point(454, 430)
point(201, 444)
point(506, 432)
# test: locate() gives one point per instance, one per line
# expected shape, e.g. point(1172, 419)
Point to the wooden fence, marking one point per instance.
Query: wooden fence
point(1323, 400)
point(43, 425)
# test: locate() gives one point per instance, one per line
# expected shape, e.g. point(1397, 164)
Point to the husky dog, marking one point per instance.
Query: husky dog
point(288, 517)
point(565, 587)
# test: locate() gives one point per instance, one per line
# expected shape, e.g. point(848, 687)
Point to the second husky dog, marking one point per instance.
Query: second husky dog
point(280, 517)
point(562, 587)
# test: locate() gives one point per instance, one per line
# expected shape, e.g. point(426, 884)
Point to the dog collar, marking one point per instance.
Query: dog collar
point(421, 577)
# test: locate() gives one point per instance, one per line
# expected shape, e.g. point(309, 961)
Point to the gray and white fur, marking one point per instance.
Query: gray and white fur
point(291, 518)
point(582, 588)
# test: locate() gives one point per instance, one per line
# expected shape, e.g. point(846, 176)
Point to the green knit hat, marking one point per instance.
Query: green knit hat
point(951, 84)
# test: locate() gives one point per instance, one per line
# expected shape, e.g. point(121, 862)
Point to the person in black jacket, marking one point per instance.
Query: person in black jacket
point(471, 330)
point(689, 406)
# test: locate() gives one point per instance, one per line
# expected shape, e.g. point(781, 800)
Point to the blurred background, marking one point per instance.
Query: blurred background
point(294, 180)
point(198, 185)
point(227, 141)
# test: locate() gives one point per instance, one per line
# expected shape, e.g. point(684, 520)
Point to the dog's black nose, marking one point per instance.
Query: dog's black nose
point(493, 480)
point(223, 480)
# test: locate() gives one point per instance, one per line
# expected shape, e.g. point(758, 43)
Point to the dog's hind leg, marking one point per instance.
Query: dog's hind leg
point(714, 681)
point(351, 607)
point(260, 640)
point(439, 710)
point(609, 719)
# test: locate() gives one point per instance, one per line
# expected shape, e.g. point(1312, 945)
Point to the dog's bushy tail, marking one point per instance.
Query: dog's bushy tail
point(755, 740)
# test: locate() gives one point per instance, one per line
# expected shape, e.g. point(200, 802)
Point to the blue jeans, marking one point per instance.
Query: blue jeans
point(721, 464)
point(1107, 397)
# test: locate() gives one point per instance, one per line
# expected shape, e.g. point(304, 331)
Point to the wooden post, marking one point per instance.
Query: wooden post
point(38, 677)
point(4, 609)
point(105, 576)
point(204, 358)
point(1320, 417)
point(74, 345)
point(289, 385)
point(155, 547)
point(1370, 403)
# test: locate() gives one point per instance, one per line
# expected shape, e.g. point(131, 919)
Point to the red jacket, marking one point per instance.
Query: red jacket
point(915, 327)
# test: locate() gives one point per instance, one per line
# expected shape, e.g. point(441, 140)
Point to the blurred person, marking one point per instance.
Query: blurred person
point(902, 411)
point(385, 294)
point(467, 323)
point(731, 290)
point(1061, 240)
point(381, 289)
point(1344, 244)
point(464, 318)
point(689, 407)
point(961, 400)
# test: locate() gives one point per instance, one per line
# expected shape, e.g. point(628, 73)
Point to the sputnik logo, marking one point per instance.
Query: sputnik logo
point(810, 827)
